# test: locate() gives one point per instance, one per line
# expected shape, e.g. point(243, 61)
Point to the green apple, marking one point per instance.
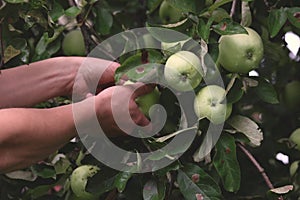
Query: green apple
point(146, 101)
point(183, 71)
point(241, 53)
point(168, 14)
point(208, 104)
point(73, 43)
point(295, 138)
point(79, 178)
point(294, 167)
point(291, 95)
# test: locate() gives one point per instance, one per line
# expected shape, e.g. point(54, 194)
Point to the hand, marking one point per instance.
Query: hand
point(93, 76)
point(117, 111)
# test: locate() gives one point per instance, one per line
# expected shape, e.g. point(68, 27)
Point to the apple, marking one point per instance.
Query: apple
point(168, 14)
point(294, 167)
point(241, 53)
point(146, 101)
point(291, 95)
point(295, 138)
point(73, 43)
point(183, 71)
point(79, 178)
point(208, 103)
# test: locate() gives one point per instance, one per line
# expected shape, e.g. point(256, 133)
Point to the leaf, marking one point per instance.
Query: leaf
point(154, 190)
point(194, 182)
point(121, 180)
point(56, 12)
point(247, 127)
point(228, 27)
point(16, 1)
point(235, 93)
point(44, 170)
point(276, 20)
point(134, 69)
point(217, 4)
point(283, 190)
point(204, 28)
point(266, 92)
point(246, 14)
point(62, 165)
point(72, 11)
point(184, 5)
point(226, 164)
point(10, 52)
point(22, 175)
point(293, 15)
point(166, 35)
point(104, 21)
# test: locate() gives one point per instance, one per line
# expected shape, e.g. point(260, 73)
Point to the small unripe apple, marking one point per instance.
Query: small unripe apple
point(241, 53)
point(183, 71)
point(209, 104)
point(79, 178)
point(146, 101)
point(73, 43)
point(168, 14)
point(295, 138)
point(291, 95)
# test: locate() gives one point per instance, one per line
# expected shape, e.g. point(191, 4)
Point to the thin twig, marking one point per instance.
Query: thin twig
point(257, 165)
point(233, 6)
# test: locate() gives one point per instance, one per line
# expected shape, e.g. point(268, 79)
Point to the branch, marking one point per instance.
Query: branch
point(232, 11)
point(257, 165)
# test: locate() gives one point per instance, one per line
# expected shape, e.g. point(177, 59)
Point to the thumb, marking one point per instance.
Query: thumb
point(141, 89)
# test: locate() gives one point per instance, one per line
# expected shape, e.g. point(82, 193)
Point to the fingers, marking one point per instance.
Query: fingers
point(108, 76)
point(141, 89)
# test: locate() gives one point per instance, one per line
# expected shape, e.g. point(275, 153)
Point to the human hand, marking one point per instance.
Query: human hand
point(93, 76)
point(117, 110)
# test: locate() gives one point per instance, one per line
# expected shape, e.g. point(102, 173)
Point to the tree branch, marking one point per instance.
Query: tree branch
point(2, 48)
point(232, 11)
point(257, 165)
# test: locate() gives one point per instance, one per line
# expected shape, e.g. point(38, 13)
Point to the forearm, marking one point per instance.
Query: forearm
point(28, 85)
point(30, 135)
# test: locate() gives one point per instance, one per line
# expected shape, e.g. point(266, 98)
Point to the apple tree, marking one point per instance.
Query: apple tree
point(240, 60)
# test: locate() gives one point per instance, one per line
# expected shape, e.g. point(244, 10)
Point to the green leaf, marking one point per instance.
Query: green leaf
point(266, 92)
point(121, 180)
point(276, 20)
point(204, 28)
point(247, 127)
point(166, 35)
point(104, 21)
point(217, 4)
point(293, 16)
point(62, 165)
point(235, 93)
point(56, 12)
point(16, 1)
point(133, 68)
point(44, 170)
point(184, 5)
point(228, 27)
point(152, 5)
point(154, 190)
point(226, 164)
point(72, 11)
point(194, 182)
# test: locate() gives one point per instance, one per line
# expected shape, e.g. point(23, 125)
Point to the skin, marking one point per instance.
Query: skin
point(29, 135)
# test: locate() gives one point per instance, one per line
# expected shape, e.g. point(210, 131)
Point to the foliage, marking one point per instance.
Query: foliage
point(260, 121)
